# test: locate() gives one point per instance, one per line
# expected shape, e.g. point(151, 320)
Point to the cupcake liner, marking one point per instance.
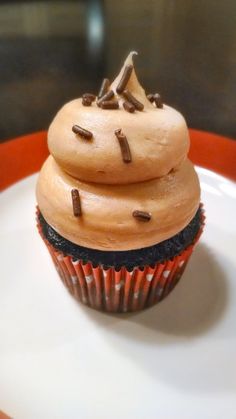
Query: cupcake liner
point(119, 291)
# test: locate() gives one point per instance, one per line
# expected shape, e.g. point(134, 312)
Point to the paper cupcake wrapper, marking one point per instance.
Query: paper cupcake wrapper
point(119, 291)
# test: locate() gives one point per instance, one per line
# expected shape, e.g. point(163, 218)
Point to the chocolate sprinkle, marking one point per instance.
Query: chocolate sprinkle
point(138, 105)
point(158, 101)
point(104, 88)
point(142, 215)
point(124, 146)
point(151, 97)
point(90, 96)
point(86, 101)
point(76, 202)
point(124, 79)
point(82, 132)
point(109, 95)
point(129, 107)
point(110, 104)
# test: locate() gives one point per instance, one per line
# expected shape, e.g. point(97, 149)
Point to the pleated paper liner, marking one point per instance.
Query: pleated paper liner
point(119, 291)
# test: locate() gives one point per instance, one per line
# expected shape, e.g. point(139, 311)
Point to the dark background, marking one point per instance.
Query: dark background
point(53, 51)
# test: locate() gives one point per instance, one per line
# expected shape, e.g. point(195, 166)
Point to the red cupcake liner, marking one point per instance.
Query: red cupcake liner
point(120, 291)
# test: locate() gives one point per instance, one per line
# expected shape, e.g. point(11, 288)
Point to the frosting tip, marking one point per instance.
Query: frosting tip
point(129, 59)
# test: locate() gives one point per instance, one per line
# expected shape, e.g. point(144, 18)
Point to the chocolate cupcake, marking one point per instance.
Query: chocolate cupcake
point(118, 200)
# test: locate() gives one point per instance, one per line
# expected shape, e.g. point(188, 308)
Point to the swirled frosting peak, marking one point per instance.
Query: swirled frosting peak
point(133, 84)
point(158, 138)
point(125, 159)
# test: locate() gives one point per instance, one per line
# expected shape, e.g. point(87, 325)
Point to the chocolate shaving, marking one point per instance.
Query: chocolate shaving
point(82, 132)
point(151, 97)
point(86, 101)
point(138, 105)
point(110, 104)
point(124, 79)
point(104, 88)
point(158, 101)
point(109, 95)
point(90, 96)
point(129, 107)
point(76, 202)
point(142, 215)
point(124, 146)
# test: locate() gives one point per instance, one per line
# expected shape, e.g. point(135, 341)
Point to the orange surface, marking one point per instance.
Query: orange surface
point(24, 155)
point(3, 415)
point(213, 152)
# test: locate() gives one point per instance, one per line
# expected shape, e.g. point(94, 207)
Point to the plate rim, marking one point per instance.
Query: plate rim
point(23, 156)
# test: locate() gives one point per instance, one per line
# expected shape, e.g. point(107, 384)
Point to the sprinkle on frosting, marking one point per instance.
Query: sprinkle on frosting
point(124, 146)
point(82, 132)
point(109, 95)
point(142, 215)
point(110, 104)
point(104, 88)
point(151, 97)
point(76, 202)
point(124, 79)
point(158, 101)
point(90, 96)
point(129, 107)
point(138, 105)
point(86, 101)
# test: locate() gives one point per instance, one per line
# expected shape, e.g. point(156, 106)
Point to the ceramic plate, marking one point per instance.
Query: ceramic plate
point(62, 360)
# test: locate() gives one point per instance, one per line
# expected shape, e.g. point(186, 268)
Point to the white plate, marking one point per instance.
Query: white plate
point(61, 360)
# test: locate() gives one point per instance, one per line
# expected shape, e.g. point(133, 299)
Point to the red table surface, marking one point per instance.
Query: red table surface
point(24, 156)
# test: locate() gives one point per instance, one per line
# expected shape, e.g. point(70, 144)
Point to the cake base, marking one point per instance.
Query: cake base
point(119, 290)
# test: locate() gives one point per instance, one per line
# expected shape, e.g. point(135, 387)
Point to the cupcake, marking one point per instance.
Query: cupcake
point(118, 200)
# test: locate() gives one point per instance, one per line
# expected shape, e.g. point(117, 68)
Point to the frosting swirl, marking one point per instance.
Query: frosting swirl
point(159, 180)
point(107, 221)
point(158, 139)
